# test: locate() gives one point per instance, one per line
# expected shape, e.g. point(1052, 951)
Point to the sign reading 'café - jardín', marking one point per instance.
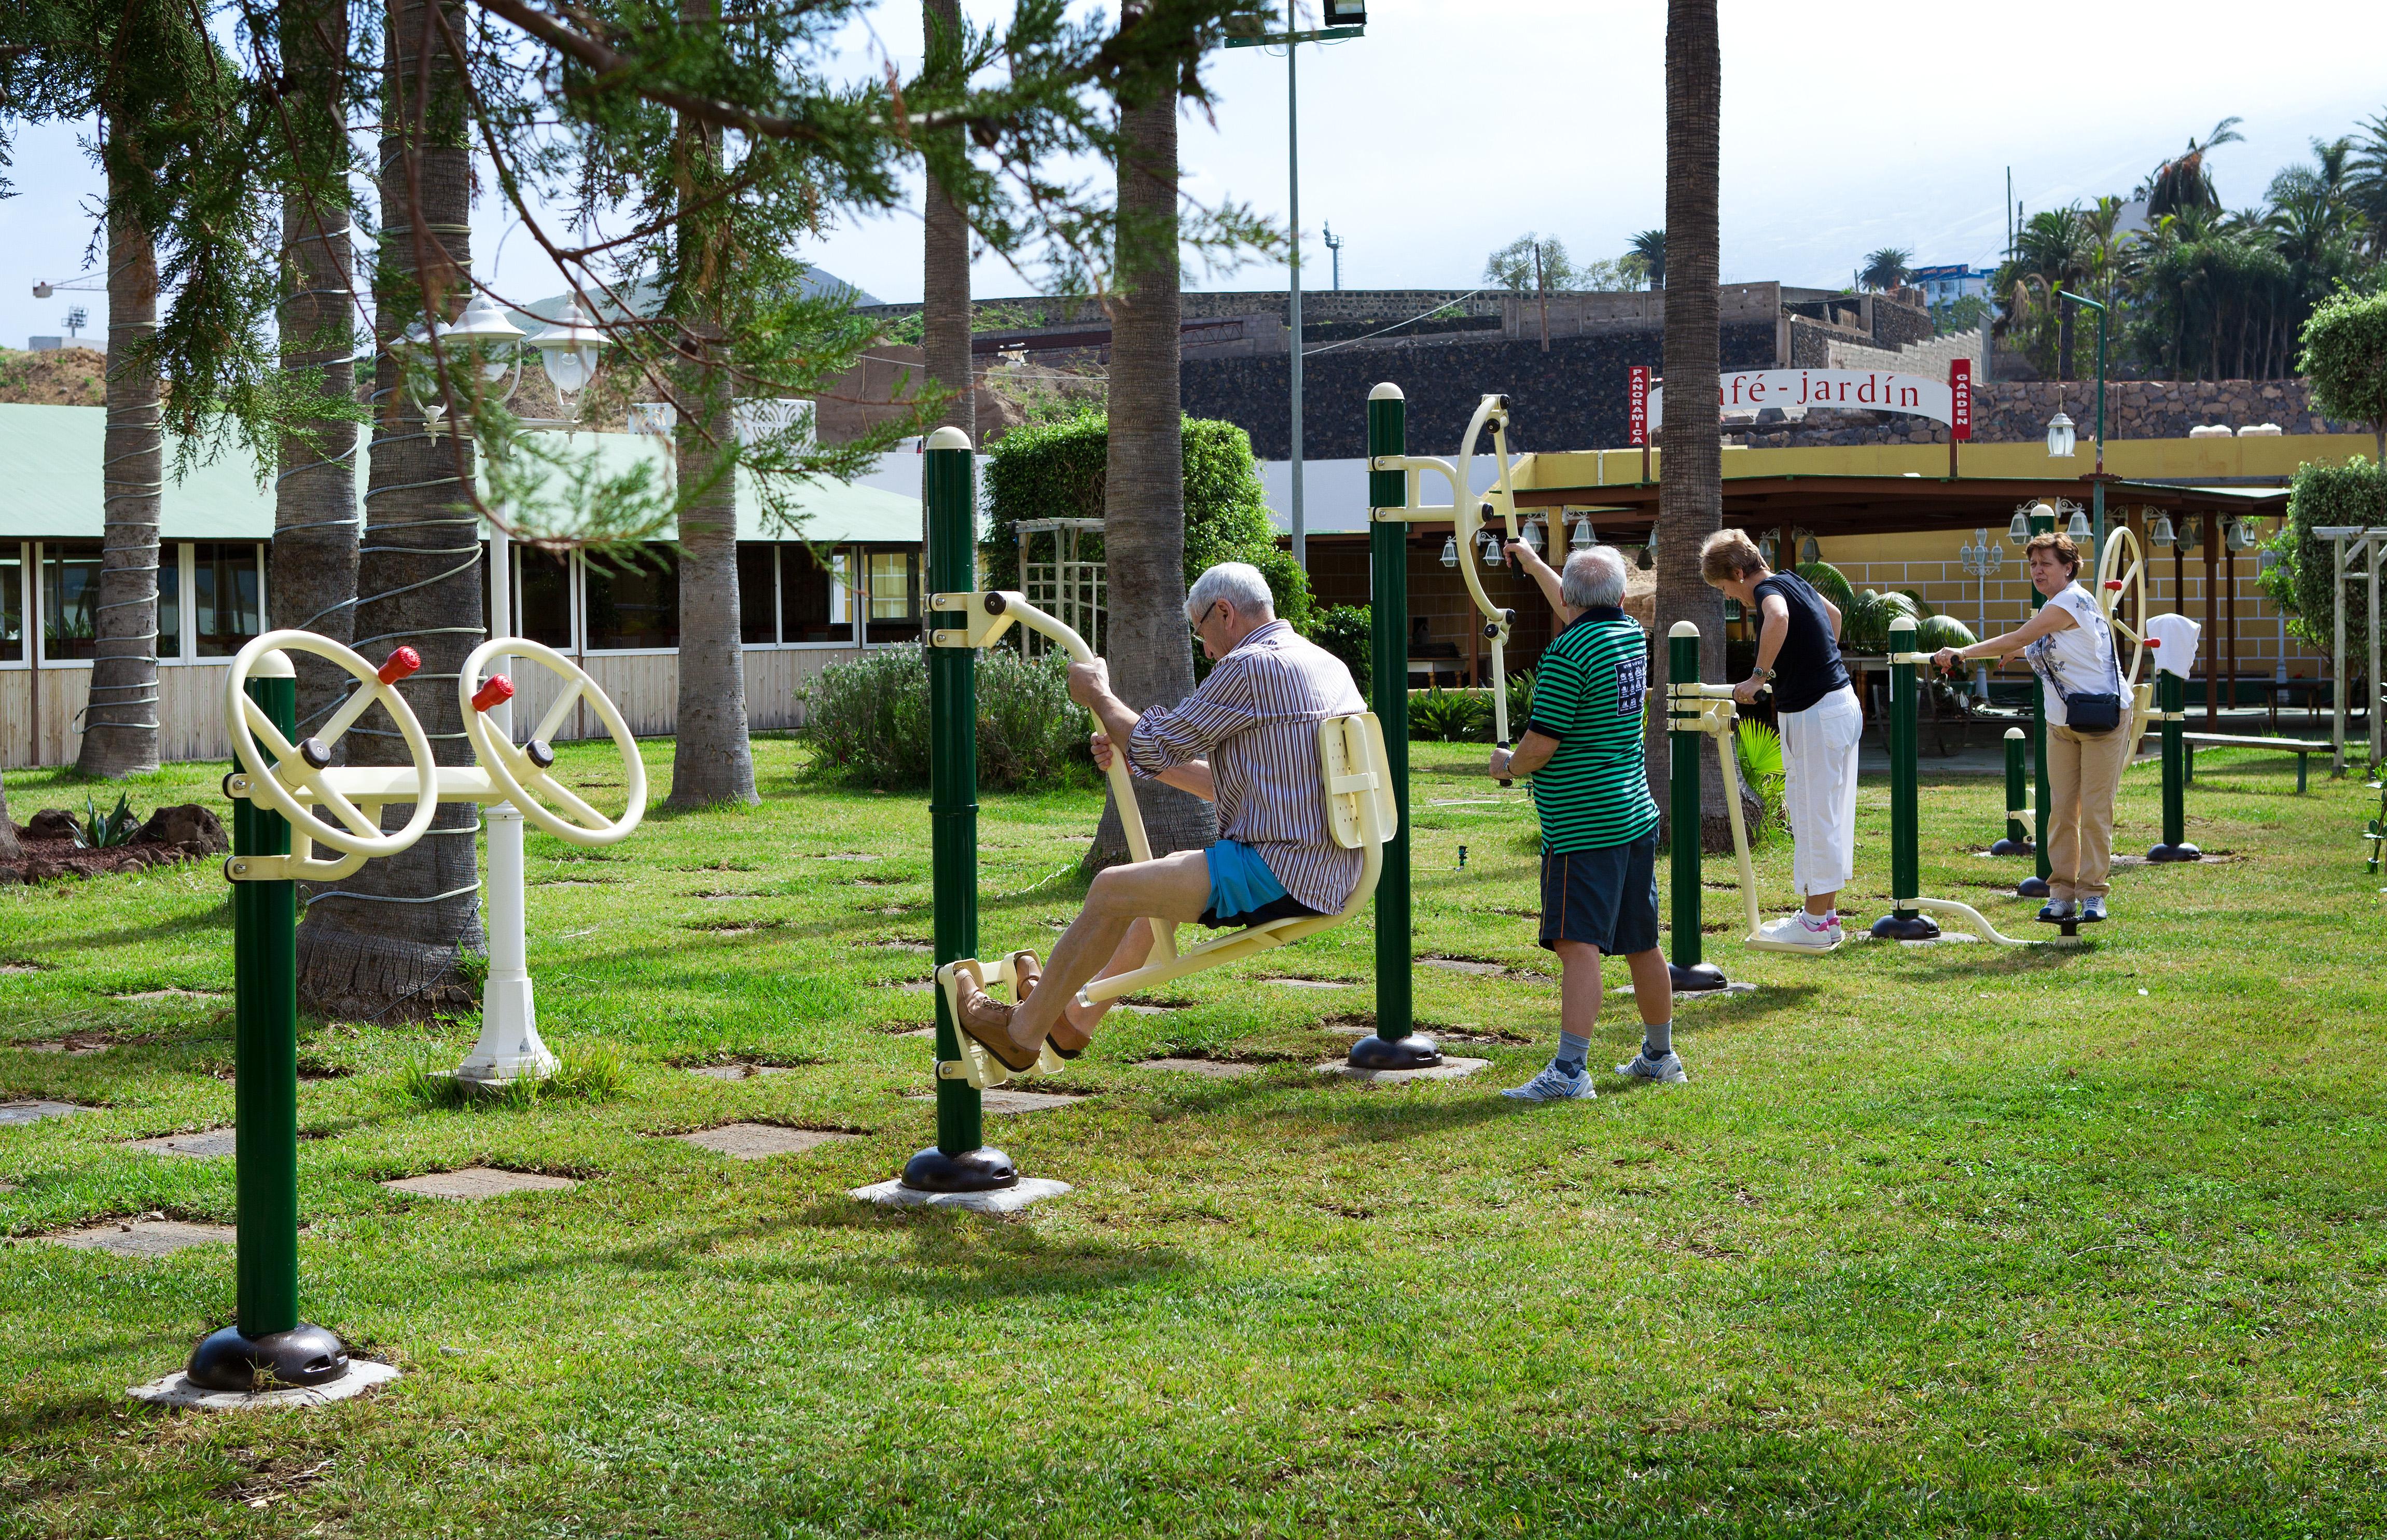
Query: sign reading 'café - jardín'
point(1798, 390)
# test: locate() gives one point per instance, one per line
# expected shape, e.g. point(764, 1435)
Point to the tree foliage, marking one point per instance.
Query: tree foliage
point(2345, 354)
point(2303, 577)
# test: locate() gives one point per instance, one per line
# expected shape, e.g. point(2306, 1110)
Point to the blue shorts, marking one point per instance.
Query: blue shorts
point(1604, 898)
point(1244, 891)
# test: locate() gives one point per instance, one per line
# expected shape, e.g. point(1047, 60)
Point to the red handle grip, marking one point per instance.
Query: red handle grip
point(403, 662)
point(2114, 585)
point(498, 688)
point(2155, 641)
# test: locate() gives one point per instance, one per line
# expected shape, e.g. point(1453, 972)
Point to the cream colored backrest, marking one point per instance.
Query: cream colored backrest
point(1360, 811)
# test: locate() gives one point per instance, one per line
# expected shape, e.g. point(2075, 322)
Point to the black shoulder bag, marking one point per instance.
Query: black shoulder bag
point(2092, 715)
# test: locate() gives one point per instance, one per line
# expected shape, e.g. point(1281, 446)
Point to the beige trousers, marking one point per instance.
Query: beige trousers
point(2083, 772)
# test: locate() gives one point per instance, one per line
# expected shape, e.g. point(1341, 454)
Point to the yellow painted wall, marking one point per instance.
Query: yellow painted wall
point(2220, 459)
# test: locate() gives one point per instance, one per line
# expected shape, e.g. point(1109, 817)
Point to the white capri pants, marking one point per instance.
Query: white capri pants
point(1819, 789)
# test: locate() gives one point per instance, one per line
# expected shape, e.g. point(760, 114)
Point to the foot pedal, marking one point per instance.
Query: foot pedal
point(981, 1068)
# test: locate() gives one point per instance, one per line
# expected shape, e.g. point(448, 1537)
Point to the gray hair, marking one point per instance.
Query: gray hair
point(1593, 579)
point(1240, 584)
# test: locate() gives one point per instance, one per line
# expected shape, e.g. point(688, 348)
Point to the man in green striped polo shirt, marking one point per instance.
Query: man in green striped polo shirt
point(1581, 749)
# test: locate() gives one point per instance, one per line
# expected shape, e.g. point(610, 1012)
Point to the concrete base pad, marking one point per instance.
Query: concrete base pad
point(141, 1237)
point(176, 1390)
point(1216, 1068)
point(1449, 1070)
point(893, 1193)
point(760, 1141)
point(1735, 986)
point(1945, 937)
point(479, 1181)
point(206, 1144)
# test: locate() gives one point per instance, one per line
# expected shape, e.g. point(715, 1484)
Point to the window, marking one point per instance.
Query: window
point(758, 598)
point(543, 597)
point(12, 603)
point(170, 601)
point(636, 603)
point(813, 597)
point(70, 601)
point(894, 591)
point(227, 596)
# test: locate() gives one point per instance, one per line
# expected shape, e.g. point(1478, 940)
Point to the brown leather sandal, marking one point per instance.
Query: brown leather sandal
point(989, 1025)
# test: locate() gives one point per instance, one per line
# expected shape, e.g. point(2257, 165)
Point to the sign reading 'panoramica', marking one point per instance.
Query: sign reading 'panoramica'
point(1799, 390)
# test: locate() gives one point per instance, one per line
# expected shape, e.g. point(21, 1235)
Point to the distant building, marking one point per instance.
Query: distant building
point(44, 344)
point(1945, 285)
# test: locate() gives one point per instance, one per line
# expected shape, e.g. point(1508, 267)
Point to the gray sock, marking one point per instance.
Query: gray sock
point(1573, 1050)
point(1659, 1041)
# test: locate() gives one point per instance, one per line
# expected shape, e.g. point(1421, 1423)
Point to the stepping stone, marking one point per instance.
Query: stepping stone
point(82, 1045)
point(849, 856)
point(893, 1193)
point(176, 1390)
point(1449, 1070)
point(20, 968)
point(1464, 965)
point(141, 1237)
point(740, 1071)
point(12, 1113)
point(479, 1181)
point(917, 1032)
point(1005, 1099)
point(206, 1144)
point(572, 882)
point(1308, 983)
point(1145, 1010)
point(174, 994)
point(914, 986)
point(1219, 1070)
point(1733, 986)
point(760, 1141)
point(719, 897)
point(7, 1186)
point(900, 946)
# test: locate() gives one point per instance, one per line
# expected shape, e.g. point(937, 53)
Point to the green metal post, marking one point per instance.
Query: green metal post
point(1903, 922)
point(1684, 742)
point(2171, 705)
point(265, 1053)
point(268, 1346)
point(2016, 841)
point(958, 1162)
point(1397, 1043)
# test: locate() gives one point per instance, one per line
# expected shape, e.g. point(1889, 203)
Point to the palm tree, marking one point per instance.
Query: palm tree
point(121, 725)
point(388, 944)
point(311, 584)
point(1143, 502)
point(2182, 182)
point(2054, 249)
point(712, 757)
point(945, 289)
point(1885, 269)
point(9, 849)
point(1648, 249)
point(1691, 495)
point(2365, 179)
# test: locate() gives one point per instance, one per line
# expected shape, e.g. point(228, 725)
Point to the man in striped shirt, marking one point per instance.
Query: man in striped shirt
point(1247, 741)
point(1582, 749)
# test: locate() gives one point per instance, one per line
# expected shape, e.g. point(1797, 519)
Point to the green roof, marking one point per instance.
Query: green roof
point(50, 488)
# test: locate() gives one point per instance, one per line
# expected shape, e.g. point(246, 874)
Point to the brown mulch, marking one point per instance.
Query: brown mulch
point(187, 832)
point(63, 377)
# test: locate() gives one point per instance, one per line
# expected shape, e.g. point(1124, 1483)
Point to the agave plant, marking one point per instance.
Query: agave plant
point(99, 832)
point(1864, 620)
point(1830, 582)
point(1438, 716)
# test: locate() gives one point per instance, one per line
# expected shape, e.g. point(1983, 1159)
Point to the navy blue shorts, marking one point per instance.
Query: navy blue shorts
point(1604, 898)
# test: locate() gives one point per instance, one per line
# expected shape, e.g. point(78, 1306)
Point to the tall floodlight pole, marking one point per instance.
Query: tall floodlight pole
point(1344, 18)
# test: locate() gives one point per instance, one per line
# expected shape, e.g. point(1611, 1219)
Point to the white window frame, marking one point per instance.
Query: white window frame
point(25, 587)
point(41, 562)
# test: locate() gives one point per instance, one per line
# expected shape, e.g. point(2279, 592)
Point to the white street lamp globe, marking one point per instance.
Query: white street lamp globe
point(2019, 530)
point(1809, 550)
point(484, 324)
point(2161, 535)
point(1450, 550)
point(2060, 436)
point(569, 349)
point(2079, 528)
point(1533, 540)
point(1583, 538)
point(1491, 549)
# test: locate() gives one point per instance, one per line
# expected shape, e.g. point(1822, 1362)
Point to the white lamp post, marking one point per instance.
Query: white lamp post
point(1982, 559)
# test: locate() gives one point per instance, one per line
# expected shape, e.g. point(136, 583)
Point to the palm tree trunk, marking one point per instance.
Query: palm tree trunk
point(385, 942)
point(1690, 477)
point(9, 849)
point(1143, 497)
point(945, 287)
point(312, 580)
point(712, 758)
point(120, 735)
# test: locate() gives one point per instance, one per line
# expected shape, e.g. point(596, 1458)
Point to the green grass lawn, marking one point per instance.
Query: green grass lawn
point(1956, 1241)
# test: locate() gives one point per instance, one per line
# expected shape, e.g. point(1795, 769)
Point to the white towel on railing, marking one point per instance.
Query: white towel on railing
point(2178, 634)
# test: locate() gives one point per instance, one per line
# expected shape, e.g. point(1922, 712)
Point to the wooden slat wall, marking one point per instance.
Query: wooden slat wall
point(646, 687)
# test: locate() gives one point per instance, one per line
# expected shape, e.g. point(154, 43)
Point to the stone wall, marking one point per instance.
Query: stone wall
point(1570, 398)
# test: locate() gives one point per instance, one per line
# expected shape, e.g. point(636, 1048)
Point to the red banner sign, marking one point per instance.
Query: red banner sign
point(1960, 405)
point(1636, 408)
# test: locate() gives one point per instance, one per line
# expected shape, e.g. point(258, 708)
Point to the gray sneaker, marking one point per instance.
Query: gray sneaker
point(1666, 1069)
point(2055, 909)
point(2093, 908)
point(1554, 1084)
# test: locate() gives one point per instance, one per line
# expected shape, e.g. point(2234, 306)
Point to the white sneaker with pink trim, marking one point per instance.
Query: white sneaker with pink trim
point(1803, 930)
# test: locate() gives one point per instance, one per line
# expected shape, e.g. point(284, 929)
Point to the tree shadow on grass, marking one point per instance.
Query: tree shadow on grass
point(214, 917)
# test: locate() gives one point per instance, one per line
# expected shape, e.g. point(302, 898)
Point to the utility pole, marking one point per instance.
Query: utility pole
point(1334, 245)
point(1292, 37)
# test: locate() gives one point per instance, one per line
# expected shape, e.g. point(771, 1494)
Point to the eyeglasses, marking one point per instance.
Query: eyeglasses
point(1207, 610)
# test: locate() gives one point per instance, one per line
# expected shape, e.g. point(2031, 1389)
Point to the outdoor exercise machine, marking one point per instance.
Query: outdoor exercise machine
point(2017, 838)
point(1362, 815)
point(277, 783)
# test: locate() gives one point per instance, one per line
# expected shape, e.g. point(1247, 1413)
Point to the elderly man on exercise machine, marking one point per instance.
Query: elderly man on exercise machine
point(1246, 740)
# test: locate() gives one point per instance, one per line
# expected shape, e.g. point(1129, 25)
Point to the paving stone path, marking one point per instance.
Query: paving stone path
point(760, 1141)
point(479, 1181)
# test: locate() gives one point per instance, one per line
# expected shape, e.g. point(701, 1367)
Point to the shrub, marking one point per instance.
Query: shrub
point(1058, 470)
point(869, 720)
point(1439, 715)
point(1758, 747)
point(2304, 579)
point(2345, 354)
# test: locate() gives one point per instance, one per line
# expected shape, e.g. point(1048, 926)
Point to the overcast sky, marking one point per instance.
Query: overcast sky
point(1455, 126)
